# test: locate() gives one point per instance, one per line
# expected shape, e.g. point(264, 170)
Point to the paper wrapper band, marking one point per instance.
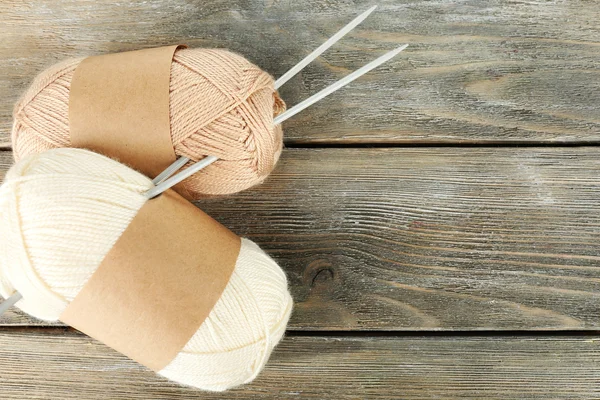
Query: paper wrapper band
point(158, 283)
point(119, 107)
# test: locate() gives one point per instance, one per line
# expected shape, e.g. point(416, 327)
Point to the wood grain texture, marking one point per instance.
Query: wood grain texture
point(41, 364)
point(431, 238)
point(475, 71)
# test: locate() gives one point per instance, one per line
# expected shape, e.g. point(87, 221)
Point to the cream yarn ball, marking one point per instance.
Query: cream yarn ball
point(61, 211)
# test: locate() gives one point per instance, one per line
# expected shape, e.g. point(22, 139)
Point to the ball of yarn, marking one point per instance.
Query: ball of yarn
point(61, 212)
point(220, 105)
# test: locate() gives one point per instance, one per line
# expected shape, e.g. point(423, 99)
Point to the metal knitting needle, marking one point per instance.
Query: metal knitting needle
point(165, 180)
point(170, 170)
point(337, 85)
point(168, 183)
point(319, 50)
point(11, 301)
point(181, 161)
point(161, 181)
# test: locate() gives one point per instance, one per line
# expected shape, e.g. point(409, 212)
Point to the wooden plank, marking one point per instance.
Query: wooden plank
point(44, 364)
point(485, 71)
point(432, 238)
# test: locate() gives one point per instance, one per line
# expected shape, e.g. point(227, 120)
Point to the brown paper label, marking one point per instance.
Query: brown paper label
point(119, 107)
point(158, 283)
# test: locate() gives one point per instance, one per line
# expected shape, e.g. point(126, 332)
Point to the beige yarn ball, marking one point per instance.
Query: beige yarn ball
point(61, 211)
point(220, 105)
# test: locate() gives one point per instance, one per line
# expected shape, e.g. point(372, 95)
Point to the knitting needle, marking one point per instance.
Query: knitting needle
point(319, 50)
point(11, 301)
point(337, 85)
point(161, 181)
point(164, 180)
point(170, 170)
point(174, 180)
point(279, 82)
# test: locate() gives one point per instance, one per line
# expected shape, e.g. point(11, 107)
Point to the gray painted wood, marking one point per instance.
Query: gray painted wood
point(381, 239)
point(43, 363)
point(476, 71)
point(429, 239)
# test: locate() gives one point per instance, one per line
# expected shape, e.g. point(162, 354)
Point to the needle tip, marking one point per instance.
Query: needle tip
point(393, 53)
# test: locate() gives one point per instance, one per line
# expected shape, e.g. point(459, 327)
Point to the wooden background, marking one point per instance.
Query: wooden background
point(438, 219)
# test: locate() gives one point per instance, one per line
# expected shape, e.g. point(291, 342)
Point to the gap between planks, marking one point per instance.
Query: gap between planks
point(349, 334)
